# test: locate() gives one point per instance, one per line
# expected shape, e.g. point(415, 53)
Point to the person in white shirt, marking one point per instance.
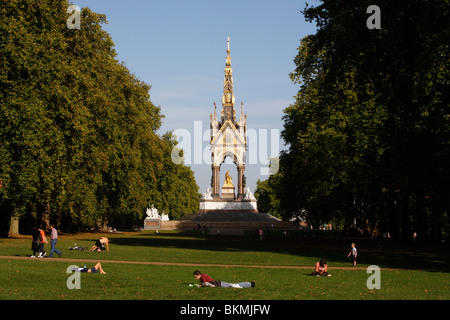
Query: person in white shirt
point(53, 240)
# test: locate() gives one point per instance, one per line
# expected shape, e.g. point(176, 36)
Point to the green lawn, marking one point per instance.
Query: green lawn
point(406, 273)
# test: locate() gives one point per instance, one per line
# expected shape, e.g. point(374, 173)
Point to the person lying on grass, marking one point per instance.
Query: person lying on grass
point(207, 281)
point(95, 269)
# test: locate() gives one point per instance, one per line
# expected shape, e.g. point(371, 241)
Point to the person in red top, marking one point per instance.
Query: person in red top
point(207, 281)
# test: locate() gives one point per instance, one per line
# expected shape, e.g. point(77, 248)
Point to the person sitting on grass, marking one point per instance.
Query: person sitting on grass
point(207, 281)
point(95, 269)
point(321, 269)
point(100, 244)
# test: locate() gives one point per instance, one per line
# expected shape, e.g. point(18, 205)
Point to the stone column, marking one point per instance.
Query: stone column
point(215, 182)
point(240, 191)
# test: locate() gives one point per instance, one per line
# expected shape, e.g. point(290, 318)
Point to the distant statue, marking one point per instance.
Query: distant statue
point(228, 179)
point(207, 194)
point(249, 195)
point(152, 213)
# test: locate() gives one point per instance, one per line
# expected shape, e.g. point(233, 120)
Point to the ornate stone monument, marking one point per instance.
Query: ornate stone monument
point(228, 139)
point(153, 220)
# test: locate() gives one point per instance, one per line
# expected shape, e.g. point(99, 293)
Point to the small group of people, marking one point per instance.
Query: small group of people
point(321, 269)
point(39, 240)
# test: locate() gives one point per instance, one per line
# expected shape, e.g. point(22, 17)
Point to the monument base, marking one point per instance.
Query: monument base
point(228, 193)
point(223, 205)
point(152, 224)
point(153, 220)
point(236, 213)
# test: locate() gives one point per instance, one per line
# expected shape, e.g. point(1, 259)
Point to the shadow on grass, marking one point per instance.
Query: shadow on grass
point(334, 249)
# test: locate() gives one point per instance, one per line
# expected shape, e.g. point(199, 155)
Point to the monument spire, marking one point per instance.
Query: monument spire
point(228, 95)
point(228, 139)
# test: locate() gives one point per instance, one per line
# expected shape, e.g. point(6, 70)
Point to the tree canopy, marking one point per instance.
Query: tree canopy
point(77, 129)
point(369, 132)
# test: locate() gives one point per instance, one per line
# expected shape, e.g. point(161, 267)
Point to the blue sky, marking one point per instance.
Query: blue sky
point(179, 48)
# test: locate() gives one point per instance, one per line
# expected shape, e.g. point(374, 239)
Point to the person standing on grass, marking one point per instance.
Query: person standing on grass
point(260, 233)
point(35, 242)
point(53, 240)
point(354, 254)
point(42, 242)
point(207, 281)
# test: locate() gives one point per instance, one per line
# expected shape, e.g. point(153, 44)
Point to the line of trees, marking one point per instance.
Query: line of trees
point(369, 133)
point(78, 141)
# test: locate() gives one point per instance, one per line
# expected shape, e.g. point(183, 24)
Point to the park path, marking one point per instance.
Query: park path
point(182, 264)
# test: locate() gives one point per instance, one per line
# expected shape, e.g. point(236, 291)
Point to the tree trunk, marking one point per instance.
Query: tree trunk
point(14, 225)
point(46, 215)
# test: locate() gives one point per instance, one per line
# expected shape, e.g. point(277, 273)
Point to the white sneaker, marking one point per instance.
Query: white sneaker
point(33, 256)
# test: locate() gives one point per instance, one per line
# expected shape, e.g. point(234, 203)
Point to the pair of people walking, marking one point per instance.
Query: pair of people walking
point(39, 240)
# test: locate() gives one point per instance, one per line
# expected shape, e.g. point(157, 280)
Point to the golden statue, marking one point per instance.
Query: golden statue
point(228, 59)
point(228, 180)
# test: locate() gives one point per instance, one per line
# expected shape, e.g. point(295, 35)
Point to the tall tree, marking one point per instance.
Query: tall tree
point(369, 133)
point(77, 129)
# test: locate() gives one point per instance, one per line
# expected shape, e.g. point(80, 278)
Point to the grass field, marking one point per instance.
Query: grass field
point(144, 265)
